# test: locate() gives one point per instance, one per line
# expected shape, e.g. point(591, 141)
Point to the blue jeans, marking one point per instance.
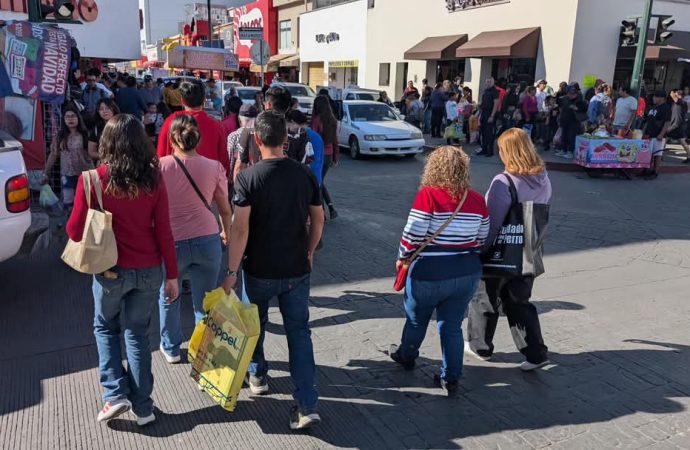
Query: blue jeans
point(293, 301)
point(450, 299)
point(200, 257)
point(126, 302)
point(427, 120)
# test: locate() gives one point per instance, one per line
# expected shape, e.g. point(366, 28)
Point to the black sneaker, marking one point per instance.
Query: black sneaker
point(394, 353)
point(451, 387)
point(257, 385)
point(301, 420)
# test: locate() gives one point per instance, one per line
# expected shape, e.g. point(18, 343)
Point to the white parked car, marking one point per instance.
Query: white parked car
point(301, 92)
point(373, 128)
point(361, 94)
point(15, 217)
point(248, 94)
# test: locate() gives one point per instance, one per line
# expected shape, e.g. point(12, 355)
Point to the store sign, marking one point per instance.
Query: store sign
point(251, 33)
point(37, 60)
point(461, 5)
point(327, 38)
point(343, 64)
point(195, 59)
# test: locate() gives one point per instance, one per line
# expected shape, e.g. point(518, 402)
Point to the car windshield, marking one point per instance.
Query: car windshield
point(247, 94)
point(366, 96)
point(300, 91)
point(372, 113)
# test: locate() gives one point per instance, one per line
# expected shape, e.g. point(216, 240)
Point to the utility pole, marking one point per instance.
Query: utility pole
point(638, 70)
point(210, 26)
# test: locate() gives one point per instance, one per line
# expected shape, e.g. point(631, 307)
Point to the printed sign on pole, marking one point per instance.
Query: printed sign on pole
point(251, 33)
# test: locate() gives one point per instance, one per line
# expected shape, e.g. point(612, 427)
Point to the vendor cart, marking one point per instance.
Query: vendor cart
point(600, 155)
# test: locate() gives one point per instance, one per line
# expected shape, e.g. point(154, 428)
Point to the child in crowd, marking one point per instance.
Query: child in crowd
point(153, 121)
point(452, 116)
point(552, 111)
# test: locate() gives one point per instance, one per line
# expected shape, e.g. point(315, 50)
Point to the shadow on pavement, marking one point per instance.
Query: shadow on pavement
point(405, 408)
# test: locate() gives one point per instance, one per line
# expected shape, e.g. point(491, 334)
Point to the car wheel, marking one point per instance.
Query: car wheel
point(354, 148)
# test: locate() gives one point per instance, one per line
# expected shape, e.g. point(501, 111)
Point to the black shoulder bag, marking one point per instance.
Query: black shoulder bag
point(191, 181)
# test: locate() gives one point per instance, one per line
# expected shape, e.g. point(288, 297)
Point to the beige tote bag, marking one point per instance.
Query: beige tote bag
point(97, 250)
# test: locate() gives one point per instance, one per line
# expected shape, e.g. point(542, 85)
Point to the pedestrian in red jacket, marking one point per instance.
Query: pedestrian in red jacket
point(126, 295)
point(213, 137)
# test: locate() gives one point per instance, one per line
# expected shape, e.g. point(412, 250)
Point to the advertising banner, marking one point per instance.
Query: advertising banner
point(613, 153)
point(203, 58)
point(35, 61)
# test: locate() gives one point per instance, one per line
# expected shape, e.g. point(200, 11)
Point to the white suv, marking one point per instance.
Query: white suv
point(303, 93)
point(15, 217)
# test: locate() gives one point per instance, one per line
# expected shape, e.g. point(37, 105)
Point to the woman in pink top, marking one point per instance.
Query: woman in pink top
point(193, 183)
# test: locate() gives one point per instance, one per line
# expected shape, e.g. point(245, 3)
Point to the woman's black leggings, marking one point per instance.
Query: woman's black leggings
point(327, 159)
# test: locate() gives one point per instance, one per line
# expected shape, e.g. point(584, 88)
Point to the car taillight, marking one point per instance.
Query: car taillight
point(17, 194)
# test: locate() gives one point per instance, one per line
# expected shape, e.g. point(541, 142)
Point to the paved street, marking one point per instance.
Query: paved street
point(614, 309)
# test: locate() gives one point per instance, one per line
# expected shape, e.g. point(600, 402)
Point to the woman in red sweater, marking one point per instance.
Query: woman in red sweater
point(324, 122)
point(126, 295)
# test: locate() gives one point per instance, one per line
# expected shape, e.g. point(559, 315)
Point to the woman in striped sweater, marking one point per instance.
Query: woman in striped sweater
point(445, 275)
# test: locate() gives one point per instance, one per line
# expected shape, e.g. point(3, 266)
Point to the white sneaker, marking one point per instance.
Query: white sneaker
point(143, 421)
point(528, 366)
point(569, 155)
point(559, 153)
point(471, 352)
point(113, 409)
point(168, 357)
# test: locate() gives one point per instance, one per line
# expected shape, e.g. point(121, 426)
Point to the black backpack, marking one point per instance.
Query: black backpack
point(252, 154)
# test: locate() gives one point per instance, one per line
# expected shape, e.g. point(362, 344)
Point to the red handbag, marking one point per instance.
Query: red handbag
point(401, 278)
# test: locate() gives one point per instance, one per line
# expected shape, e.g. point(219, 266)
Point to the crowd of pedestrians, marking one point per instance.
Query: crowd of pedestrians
point(552, 118)
point(185, 189)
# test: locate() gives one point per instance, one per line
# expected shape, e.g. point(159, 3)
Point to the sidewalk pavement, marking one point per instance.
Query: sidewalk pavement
point(613, 306)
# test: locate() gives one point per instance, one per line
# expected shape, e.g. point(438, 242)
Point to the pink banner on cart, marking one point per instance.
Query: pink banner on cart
point(613, 153)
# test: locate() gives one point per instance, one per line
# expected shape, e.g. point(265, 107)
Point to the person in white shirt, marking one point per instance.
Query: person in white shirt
point(540, 120)
point(452, 113)
point(626, 111)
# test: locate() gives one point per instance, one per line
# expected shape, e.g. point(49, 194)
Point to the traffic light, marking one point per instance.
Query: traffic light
point(662, 33)
point(629, 33)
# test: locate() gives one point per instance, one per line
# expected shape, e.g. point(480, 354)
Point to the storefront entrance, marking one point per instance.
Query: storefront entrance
point(317, 76)
point(449, 70)
point(515, 71)
point(343, 74)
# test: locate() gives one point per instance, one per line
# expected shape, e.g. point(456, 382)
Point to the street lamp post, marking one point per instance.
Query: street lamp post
point(640, 53)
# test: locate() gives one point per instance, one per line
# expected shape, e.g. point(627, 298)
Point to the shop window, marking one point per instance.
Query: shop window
point(384, 74)
point(285, 37)
point(518, 70)
point(449, 70)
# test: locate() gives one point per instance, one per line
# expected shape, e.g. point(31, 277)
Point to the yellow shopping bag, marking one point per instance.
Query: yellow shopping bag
point(222, 346)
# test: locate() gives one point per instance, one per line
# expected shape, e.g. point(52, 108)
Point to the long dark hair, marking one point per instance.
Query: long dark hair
point(110, 103)
point(184, 133)
point(322, 110)
point(233, 105)
point(131, 159)
point(64, 132)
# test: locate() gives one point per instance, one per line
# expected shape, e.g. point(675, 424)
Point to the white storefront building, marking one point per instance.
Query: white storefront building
point(394, 41)
point(333, 45)
point(521, 40)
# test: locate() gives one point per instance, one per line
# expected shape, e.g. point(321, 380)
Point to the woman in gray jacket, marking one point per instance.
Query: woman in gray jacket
point(511, 295)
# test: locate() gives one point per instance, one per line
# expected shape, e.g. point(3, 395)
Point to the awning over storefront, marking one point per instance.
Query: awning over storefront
point(272, 66)
point(438, 47)
point(290, 61)
point(521, 43)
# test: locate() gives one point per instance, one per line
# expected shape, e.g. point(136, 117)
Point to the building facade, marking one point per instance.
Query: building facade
point(520, 40)
point(333, 44)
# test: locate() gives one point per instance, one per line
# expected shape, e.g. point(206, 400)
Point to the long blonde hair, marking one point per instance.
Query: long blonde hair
point(518, 153)
point(448, 167)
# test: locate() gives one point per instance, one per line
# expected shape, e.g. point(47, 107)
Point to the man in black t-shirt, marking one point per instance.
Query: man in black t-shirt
point(487, 121)
point(273, 201)
point(658, 123)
